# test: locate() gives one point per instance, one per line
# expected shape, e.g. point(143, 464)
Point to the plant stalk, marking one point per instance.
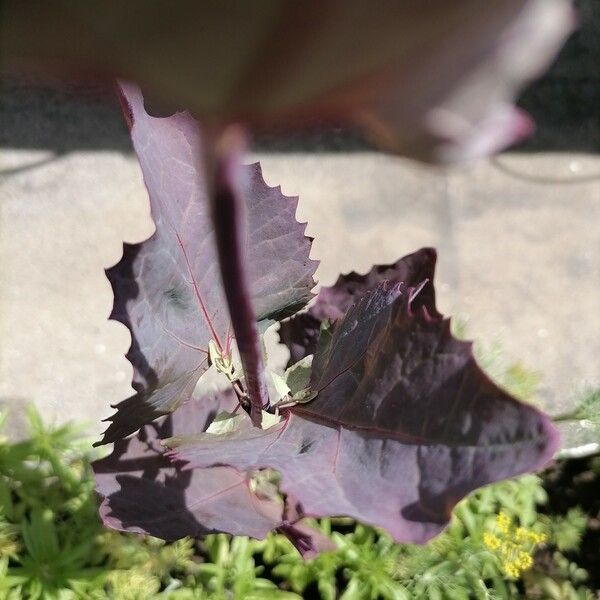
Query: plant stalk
point(228, 212)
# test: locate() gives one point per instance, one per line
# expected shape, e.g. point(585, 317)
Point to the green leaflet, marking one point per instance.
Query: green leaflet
point(293, 387)
point(225, 422)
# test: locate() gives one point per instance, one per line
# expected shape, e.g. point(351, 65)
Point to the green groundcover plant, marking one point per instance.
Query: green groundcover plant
point(53, 545)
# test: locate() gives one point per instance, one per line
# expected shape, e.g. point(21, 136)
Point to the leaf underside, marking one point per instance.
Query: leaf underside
point(142, 491)
point(404, 425)
point(168, 289)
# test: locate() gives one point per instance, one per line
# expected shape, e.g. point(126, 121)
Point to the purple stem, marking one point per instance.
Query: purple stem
point(228, 217)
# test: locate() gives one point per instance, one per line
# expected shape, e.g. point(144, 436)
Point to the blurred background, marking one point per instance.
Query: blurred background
point(518, 235)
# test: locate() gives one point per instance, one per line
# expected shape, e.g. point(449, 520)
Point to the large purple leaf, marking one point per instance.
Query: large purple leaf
point(168, 289)
point(143, 492)
point(404, 424)
point(434, 80)
point(300, 333)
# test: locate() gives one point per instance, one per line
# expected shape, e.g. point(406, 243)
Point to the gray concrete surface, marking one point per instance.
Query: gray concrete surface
point(519, 244)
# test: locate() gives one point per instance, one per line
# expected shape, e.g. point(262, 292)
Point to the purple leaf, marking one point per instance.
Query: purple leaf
point(168, 289)
point(301, 332)
point(308, 540)
point(405, 424)
point(143, 492)
point(433, 80)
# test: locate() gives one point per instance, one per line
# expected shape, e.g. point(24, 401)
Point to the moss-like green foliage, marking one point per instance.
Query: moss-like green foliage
point(52, 546)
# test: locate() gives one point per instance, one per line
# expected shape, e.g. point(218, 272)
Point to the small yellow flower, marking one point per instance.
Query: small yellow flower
point(527, 535)
point(510, 570)
point(503, 522)
point(514, 546)
point(526, 561)
point(491, 540)
point(538, 538)
point(521, 534)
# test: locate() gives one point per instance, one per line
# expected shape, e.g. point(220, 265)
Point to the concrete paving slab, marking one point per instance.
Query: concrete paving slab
point(519, 259)
point(61, 224)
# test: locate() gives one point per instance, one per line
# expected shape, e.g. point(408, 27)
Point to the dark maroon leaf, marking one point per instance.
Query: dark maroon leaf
point(300, 333)
point(405, 424)
point(434, 80)
point(143, 492)
point(307, 540)
point(333, 302)
point(168, 289)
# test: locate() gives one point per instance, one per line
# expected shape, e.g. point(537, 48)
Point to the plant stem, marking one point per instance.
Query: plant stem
point(228, 217)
